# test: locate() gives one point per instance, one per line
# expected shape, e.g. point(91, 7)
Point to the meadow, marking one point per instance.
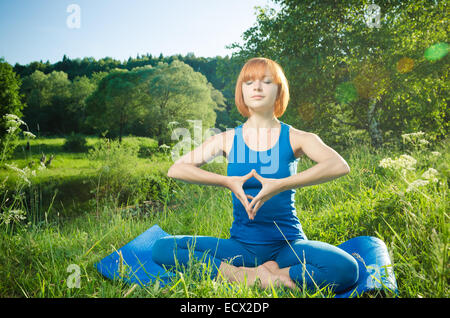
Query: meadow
point(86, 204)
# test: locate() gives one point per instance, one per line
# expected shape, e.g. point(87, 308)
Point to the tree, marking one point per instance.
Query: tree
point(147, 98)
point(10, 97)
point(181, 94)
point(56, 105)
point(81, 88)
point(114, 105)
point(48, 97)
point(344, 73)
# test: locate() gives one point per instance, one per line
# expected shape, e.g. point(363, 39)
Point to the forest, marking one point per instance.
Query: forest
point(86, 144)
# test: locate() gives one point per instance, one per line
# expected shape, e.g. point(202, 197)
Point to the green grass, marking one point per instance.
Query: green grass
point(35, 253)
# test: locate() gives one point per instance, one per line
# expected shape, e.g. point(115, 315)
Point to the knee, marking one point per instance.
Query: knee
point(162, 251)
point(349, 273)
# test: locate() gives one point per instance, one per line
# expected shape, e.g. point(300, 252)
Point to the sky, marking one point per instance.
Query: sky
point(34, 30)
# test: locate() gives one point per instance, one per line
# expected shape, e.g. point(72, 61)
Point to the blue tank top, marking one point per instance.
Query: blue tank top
point(277, 162)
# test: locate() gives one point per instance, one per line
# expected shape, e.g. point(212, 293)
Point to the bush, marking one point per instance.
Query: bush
point(146, 146)
point(75, 143)
point(117, 177)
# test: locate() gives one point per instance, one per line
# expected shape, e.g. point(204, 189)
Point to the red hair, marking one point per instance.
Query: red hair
point(255, 68)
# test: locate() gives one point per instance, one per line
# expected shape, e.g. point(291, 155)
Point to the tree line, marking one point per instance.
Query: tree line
point(345, 75)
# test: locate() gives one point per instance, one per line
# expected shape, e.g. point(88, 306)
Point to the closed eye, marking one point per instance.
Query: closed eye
point(266, 82)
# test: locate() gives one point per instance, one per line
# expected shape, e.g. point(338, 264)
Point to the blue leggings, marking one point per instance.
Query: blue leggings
point(317, 263)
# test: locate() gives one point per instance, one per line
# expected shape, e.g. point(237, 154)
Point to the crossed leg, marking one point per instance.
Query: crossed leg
point(227, 256)
point(317, 264)
point(300, 262)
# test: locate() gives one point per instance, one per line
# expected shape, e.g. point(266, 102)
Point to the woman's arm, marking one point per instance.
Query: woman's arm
point(192, 174)
point(330, 165)
point(187, 168)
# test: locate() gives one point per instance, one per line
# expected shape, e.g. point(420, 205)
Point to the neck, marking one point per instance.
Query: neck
point(258, 121)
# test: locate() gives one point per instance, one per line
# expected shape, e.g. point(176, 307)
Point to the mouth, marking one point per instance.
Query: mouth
point(258, 96)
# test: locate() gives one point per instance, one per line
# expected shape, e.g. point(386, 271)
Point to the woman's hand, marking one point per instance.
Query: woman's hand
point(235, 184)
point(270, 188)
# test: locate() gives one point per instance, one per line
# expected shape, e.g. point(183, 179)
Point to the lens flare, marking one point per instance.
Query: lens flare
point(436, 51)
point(405, 65)
point(346, 93)
point(372, 80)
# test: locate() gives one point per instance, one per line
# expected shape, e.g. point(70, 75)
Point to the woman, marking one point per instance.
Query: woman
point(266, 238)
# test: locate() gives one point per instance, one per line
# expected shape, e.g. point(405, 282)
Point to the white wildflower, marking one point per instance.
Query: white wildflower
point(386, 163)
point(417, 139)
point(404, 162)
point(164, 146)
point(416, 183)
point(413, 135)
point(23, 173)
point(407, 162)
point(431, 174)
point(13, 119)
point(12, 215)
point(28, 134)
point(13, 167)
point(436, 153)
point(11, 129)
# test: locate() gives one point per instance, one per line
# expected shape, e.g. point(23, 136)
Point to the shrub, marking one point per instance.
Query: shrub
point(146, 146)
point(75, 143)
point(117, 178)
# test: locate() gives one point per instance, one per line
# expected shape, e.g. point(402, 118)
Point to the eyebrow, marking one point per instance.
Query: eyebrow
point(265, 76)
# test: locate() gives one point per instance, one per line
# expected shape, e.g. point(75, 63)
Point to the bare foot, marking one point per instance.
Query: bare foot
point(268, 273)
point(272, 266)
point(279, 277)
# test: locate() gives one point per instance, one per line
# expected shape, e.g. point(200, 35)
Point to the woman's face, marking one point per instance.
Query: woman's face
point(260, 94)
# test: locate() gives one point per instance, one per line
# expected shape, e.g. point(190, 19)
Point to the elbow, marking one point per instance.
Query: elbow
point(173, 171)
point(170, 172)
point(339, 167)
point(345, 169)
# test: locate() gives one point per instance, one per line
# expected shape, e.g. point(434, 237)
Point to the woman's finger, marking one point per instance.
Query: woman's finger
point(256, 208)
point(254, 201)
point(244, 201)
point(249, 175)
point(257, 176)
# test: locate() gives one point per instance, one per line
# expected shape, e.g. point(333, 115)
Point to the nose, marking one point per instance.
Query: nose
point(257, 85)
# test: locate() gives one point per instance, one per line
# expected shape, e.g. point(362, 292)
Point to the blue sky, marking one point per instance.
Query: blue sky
point(33, 30)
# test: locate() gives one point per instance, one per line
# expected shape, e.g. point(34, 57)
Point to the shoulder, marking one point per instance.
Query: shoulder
point(297, 138)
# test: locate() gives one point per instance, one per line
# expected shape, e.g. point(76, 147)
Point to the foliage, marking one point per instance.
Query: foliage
point(75, 143)
point(328, 52)
point(87, 73)
point(146, 99)
point(117, 179)
point(10, 102)
point(55, 105)
point(372, 200)
point(147, 146)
